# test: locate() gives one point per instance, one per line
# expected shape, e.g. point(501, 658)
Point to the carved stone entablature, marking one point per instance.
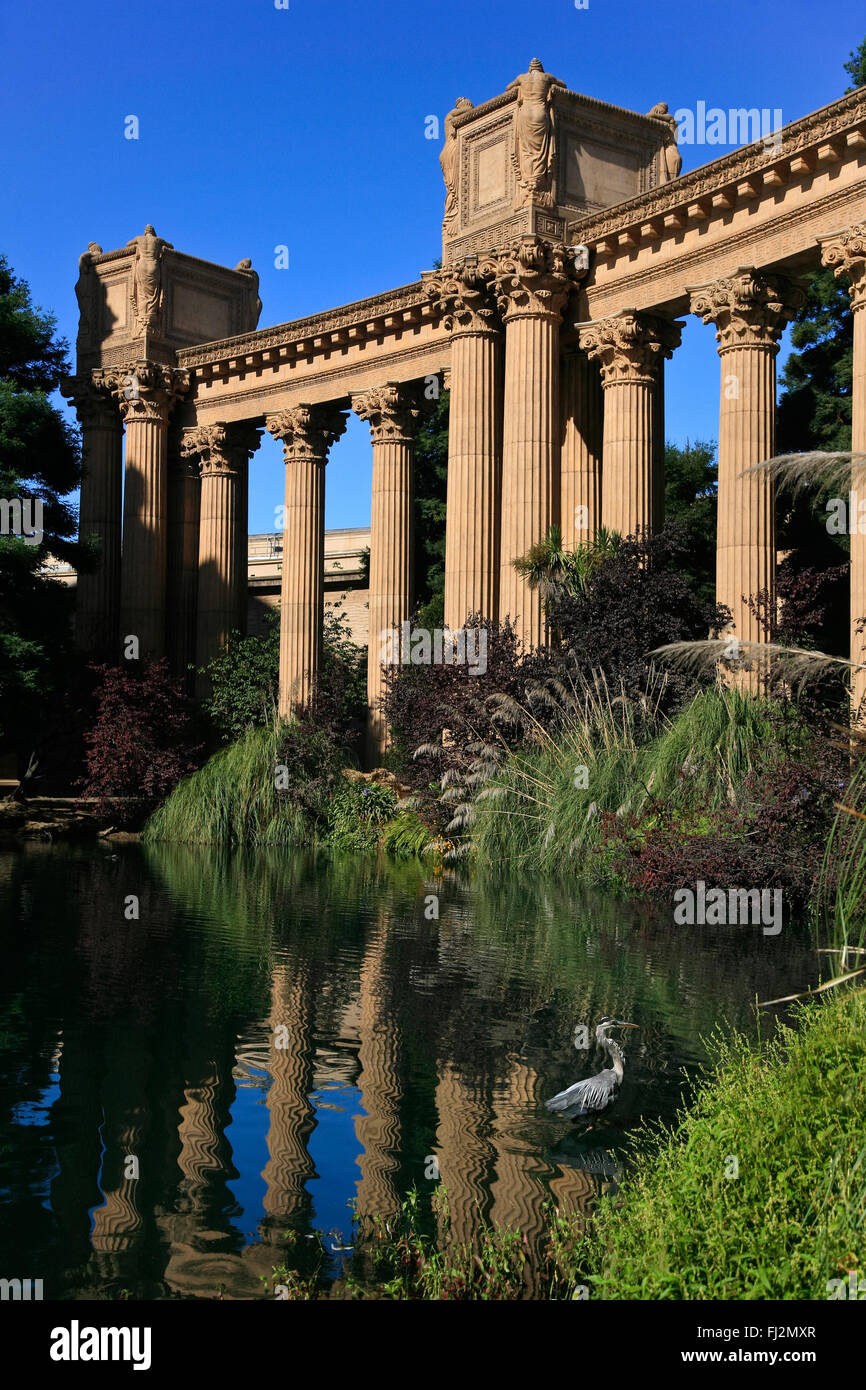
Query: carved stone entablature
point(464, 297)
point(631, 346)
point(749, 309)
point(390, 411)
point(798, 143)
point(846, 252)
point(143, 390)
point(532, 277)
point(307, 431)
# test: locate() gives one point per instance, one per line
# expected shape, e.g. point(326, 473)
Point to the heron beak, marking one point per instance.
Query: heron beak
point(622, 1024)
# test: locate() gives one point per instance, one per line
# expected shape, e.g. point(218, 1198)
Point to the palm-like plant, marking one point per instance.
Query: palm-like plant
point(553, 570)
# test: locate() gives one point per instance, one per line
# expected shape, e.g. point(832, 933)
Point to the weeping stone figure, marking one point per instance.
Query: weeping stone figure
point(534, 135)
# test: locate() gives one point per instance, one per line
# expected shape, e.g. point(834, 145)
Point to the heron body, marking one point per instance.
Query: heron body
point(589, 1098)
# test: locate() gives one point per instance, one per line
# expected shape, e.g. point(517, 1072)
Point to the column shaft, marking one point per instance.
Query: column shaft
point(97, 598)
point(628, 457)
point(302, 592)
point(145, 523)
point(580, 467)
point(390, 567)
point(217, 563)
point(530, 453)
point(184, 511)
point(474, 477)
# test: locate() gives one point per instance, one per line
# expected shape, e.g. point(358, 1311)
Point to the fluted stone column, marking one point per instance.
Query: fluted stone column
point(390, 412)
point(184, 512)
point(146, 393)
point(846, 253)
point(474, 441)
point(97, 595)
point(217, 603)
point(630, 348)
point(580, 491)
point(307, 433)
point(749, 311)
point(532, 280)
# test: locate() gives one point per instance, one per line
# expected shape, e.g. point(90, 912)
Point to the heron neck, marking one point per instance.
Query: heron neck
point(616, 1054)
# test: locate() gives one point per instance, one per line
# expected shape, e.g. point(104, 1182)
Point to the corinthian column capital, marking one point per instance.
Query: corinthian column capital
point(464, 296)
point(206, 447)
point(749, 309)
point(307, 431)
point(92, 405)
point(846, 253)
point(390, 411)
point(143, 390)
point(532, 278)
point(630, 346)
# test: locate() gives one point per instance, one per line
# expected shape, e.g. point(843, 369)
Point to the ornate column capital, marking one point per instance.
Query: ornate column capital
point(389, 410)
point(464, 296)
point(630, 346)
point(532, 278)
point(307, 431)
point(92, 405)
point(206, 449)
point(846, 252)
point(143, 390)
point(749, 309)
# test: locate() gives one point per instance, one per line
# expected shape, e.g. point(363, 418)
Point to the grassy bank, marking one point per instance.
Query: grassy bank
point(790, 1112)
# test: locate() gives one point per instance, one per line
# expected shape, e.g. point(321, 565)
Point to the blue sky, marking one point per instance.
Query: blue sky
point(305, 127)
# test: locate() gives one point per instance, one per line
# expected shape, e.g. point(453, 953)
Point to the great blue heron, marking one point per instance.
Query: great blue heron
point(586, 1099)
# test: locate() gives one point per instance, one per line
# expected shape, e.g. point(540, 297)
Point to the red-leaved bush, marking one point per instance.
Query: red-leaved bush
point(143, 740)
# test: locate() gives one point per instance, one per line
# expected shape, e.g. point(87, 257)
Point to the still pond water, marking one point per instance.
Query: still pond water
point(408, 1039)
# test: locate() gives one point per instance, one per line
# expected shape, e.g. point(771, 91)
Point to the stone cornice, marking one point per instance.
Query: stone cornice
point(390, 411)
point(362, 321)
point(802, 141)
point(749, 309)
point(630, 347)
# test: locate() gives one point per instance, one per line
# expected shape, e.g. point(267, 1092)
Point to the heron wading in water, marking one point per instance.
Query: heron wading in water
point(585, 1100)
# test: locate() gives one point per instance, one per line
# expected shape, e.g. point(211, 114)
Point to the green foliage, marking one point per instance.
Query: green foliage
point(39, 459)
point(856, 67)
point(543, 810)
point(430, 482)
point(357, 814)
point(244, 679)
point(691, 483)
point(407, 836)
point(233, 800)
point(794, 1217)
point(554, 570)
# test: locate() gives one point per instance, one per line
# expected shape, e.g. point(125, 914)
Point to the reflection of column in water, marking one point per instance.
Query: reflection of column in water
point(464, 1152)
point(378, 1131)
point(517, 1189)
point(292, 1117)
point(199, 1159)
point(117, 1223)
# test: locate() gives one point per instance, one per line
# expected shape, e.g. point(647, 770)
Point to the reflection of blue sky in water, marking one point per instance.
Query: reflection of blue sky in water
point(407, 1036)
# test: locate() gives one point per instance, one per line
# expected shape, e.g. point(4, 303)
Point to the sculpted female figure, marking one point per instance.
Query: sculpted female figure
point(673, 160)
point(534, 134)
point(448, 160)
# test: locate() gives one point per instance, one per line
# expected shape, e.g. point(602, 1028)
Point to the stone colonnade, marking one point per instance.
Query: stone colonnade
point(552, 420)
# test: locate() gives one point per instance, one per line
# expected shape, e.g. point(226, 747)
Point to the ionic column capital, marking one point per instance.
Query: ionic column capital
point(307, 431)
point(390, 411)
point(846, 252)
point(464, 296)
point(630, 346)
point(143, 390)
point(532, 278)
point(749, 309)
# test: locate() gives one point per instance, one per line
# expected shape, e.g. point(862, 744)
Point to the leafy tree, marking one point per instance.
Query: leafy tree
point(431, 474)
point(691, 499)
point(244, 681)
point(143, 739)
point(815, 406)
point(39, 459)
